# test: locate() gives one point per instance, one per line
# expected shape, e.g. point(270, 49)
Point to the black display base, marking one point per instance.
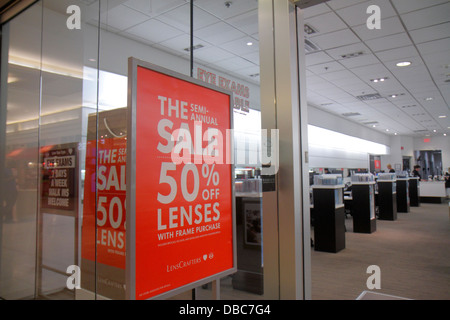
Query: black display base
point(414, 198)
point(248, 281)
point(432, 199)
point(329, 232)
point(369, 226)
point(362, 195)
point(403, 201)
point(387, 201)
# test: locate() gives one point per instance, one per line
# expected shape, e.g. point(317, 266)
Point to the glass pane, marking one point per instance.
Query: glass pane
point(68, 99)
point(153, 31)
point(226, 55)
point(21, 47)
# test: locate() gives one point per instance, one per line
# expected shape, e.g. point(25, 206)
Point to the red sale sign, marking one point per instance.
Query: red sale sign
point(180, 211)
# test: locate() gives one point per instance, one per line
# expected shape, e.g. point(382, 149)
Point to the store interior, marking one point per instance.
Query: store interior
point(375, 97)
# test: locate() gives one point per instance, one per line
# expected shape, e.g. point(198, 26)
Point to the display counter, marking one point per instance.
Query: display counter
point(432, 191)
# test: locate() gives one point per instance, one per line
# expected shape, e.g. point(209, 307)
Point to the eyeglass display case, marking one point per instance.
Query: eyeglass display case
point(387, 196)
point(329, 213)
point(363, 194)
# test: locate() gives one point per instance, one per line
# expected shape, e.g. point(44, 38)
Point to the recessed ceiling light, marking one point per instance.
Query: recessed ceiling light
point(379, 79)
point(442, 117)
point(395, 95)
point(403, 64)
point(387, 130)
point(428, 99)
point(434, 130)
point(395, 133)
point(249, 43)
point(373, 126)
point(445, 134)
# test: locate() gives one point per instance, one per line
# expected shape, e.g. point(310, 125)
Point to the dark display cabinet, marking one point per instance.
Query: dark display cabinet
point(363, 194)
point(402, 195)
point(329, 218)
point(387, 200)
point(414, 191)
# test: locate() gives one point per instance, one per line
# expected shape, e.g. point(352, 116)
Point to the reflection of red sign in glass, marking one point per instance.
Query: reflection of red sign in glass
point(377, 164)
point(109, 248)
point(426, 140)
point(182, 229)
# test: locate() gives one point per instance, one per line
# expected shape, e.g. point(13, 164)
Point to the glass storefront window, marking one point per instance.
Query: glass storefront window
point(66, 105)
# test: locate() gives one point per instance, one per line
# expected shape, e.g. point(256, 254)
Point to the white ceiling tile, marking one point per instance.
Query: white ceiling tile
point(212, 54)
point(431, 33)
point(154, 31)
point(122, 17)
point(246, 22)
point(356, 89)
point(324, 23)
point(180, 18)
point(339, 4)
point(227, 33)
point(179, 43)
point(219, 9)
point(404, 6)
point(388, 27)
point(246, 72)
point(153, 8)
point(357, 14)
point(371, 71)
point(363, 60)
point(434, 46)
point(336, 39)
point(253, 57)
point(234, 63)
point(317, 58)
point(337, 75)
point(315, 10)
point(240, 47)
point(328, 67)
point(397, 54)
point(427, 17)
point(389, 42)
point(337, 53)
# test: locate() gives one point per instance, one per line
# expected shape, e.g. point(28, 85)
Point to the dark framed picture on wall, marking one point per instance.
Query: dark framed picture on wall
point(253, 230)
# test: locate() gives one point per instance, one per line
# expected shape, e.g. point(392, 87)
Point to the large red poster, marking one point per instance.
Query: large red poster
point(182, 188)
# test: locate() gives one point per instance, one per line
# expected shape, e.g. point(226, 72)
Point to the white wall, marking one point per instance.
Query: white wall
point(340, 157)
point(400, 146)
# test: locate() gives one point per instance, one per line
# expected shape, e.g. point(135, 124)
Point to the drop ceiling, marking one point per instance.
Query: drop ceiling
point(342, 59)
point(339, 72)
